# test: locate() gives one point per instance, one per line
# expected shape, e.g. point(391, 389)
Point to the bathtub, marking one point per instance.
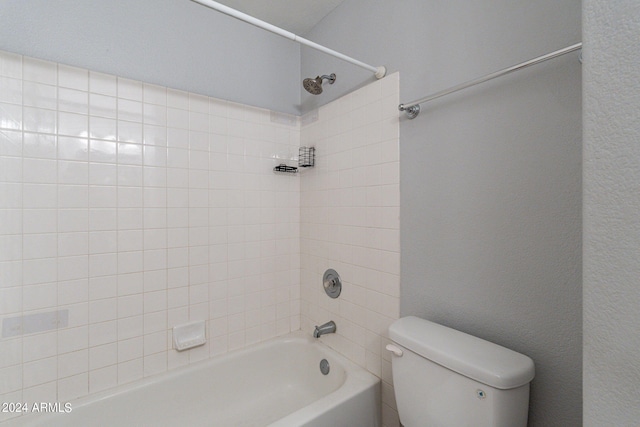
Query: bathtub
point(277, 383)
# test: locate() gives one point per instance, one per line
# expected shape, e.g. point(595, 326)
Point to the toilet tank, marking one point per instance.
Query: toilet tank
point(446, 378)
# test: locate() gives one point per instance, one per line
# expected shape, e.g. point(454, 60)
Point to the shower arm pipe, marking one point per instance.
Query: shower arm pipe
point(413, 108)
point(379, 72)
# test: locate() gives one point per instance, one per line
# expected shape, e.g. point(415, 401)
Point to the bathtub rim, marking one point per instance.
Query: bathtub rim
point(357, 380)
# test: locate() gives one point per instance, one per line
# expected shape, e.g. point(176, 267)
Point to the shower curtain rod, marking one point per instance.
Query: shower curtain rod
point(413, 108)
point(378, 71)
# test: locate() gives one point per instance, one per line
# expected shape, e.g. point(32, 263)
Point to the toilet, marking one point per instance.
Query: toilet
point(446, 378)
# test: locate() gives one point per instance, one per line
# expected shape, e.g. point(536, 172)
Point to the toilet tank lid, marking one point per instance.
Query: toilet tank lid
point(473, 357)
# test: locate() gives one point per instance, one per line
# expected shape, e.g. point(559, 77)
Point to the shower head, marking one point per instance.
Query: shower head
point(314, 86)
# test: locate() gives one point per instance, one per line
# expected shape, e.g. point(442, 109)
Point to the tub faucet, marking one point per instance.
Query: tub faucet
point(327, 328)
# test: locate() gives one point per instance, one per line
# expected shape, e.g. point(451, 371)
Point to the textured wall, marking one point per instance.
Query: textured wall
point(174, 43)
point(611, 212)
point(136, 208)
point(490, 178)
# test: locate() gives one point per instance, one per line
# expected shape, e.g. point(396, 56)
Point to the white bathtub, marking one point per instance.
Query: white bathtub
point(277, 383)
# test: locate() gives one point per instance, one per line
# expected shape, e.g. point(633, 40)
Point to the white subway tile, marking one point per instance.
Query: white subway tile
point(178, 297)
point(155, 343)
point(103, 106)
point(11, 143)
point(199, 141)
point(73, 172)
point(11, 352)
point(177, 118)
point(130, 371)
point(74, 267)
point(73, 196)
point(102, 83)
point(73, 220)
point(154, 280)
point(102, 287)
point(130, 132)
point(11, 273)
point(47, 392)
point(73, 124)
point(102, 196)
point(177, 99)
point(73, 292)
point(39, 372)
point(130, 175)
point(130, 197)
point(103, 333)
point(10, 65)
point(72, 77)
point(129, 110)
point(11, 116)
point(11, 248)
point(102, 379)
point(154, 115)
point(130, 327)
point(154, 94)
point(38, 271)
point(73, 101)
point(102, 310)
point(73, 148)
point(10, 301)
point(102, 128)
point(73, 243)
point(103, 355)
point(38, 70)
point(35, 246)
point(33, 94)
point(130, 219)
point(103, 264)
point(130, 240)
point(102, 219)
point(73, 387)
point(155, 156)
point(129, 154)
point(131, 305)
point(198, 122)
point(129, 349)
point(155, 135)
point(36, 170)
point(73, 363)
point(155, 364)
point(102, 151)
point(129, 89)
point(155, 302)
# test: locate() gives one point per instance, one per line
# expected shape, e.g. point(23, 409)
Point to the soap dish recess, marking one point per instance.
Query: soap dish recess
point(188, 335)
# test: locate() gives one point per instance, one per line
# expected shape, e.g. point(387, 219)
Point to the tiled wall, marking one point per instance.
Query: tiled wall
point(136, 208)
point(350, 222)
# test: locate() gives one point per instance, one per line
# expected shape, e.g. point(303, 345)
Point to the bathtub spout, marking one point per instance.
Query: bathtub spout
point(327, 328)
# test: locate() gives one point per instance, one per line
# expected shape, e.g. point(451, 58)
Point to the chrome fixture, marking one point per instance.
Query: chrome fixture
point(413, 108)
point(327, 328)
point(332, 283)
point(307, 157)
point(314, 86)
point(324, 367)
point(379, 71)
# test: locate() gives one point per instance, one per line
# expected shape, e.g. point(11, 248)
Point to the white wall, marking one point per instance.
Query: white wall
point(350, 221)
point(174, 43)
point(611, 212)
point(490, 178)
point(136, 207)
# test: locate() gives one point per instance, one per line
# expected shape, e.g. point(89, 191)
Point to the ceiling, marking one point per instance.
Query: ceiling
point(297, 16)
